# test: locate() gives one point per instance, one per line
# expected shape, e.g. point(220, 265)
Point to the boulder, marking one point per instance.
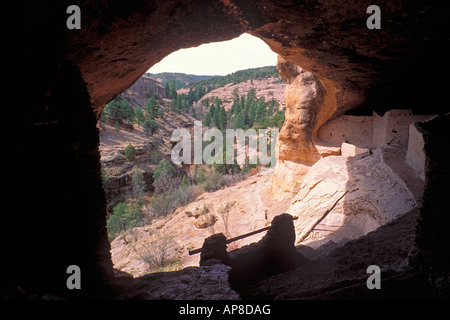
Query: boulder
point(376, 195)
point(205, 221)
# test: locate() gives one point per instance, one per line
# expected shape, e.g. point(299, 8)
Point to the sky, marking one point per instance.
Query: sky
point(219, 58)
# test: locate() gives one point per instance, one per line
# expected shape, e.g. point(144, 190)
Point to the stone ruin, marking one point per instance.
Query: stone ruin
point(358, 134)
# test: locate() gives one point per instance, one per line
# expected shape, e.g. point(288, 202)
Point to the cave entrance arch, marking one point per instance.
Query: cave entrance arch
point(244, 52)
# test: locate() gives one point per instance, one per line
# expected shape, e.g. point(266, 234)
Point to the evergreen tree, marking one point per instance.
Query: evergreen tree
point(222, 118)
point(251, 96)
point(271, 108)
point(139, 115)
point(191, 96)
point(224, 168)
point(152, 108)
point(172, 89)
point(277, 120)
point(164, 177)
point(126, 215)
point(113, 110)
point(130, 152)
point(178, 103)
point(138, 183)
point(167, 88)
point(215, 117)
point(150, 126)
point(260, 112)
point(207, 120)
point(127, 112)
point(239, 120)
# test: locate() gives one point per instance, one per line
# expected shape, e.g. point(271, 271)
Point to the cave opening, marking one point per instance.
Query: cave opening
point(234, 78)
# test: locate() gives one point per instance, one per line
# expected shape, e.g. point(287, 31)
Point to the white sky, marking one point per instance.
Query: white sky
point(219, 58)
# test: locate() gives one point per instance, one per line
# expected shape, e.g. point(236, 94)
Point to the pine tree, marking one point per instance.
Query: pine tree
point(126, 111)
point(150, 126)
point(215, 117)
point(179, 103)
point(172, 89)
point(222, 118)
point(239, 120)
point(139, 115)
point(167, 88)
point(138, 183)
point(207, 120)
point(260, 112)
point(152, 108)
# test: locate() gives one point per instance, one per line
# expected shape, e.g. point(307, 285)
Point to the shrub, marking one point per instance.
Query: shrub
point(150, 126)
point(126, 215)
point(184, 182)
point(154, 156)
point(158, 253)
point(130, 152)
point(138, 183)
point(161, 205)
point(165, 177)
point(165, 203)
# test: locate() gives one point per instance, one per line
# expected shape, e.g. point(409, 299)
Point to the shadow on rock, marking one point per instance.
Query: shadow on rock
point(273, 254)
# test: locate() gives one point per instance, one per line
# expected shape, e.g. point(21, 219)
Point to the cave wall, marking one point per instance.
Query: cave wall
point(62, 79)
point(416, 156)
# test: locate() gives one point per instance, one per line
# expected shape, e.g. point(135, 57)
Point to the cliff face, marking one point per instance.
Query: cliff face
point(75, 72)
point(310, 102)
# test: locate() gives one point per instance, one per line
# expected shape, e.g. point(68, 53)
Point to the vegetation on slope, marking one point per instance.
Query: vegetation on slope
point(172, 186)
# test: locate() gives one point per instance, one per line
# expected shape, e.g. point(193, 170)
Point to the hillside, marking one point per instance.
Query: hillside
point(143, 118)
point(181, 79)
point(269, 88)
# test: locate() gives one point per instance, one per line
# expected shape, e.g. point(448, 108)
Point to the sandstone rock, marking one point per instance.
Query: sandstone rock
point(304, 97)
point(205, 221)
point(309, 104)
point(349, 150)
point(196, 209)
point(286, 179)
point(376, 195)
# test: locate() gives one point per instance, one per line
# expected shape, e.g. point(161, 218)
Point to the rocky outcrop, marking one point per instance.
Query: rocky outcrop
point(309, 104)
point(375, 195)
point(304, 102)
point(270, 88)
point(145, 86)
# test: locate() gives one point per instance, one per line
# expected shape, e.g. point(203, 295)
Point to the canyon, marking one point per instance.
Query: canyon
point(334, 67)
point(363, 170)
